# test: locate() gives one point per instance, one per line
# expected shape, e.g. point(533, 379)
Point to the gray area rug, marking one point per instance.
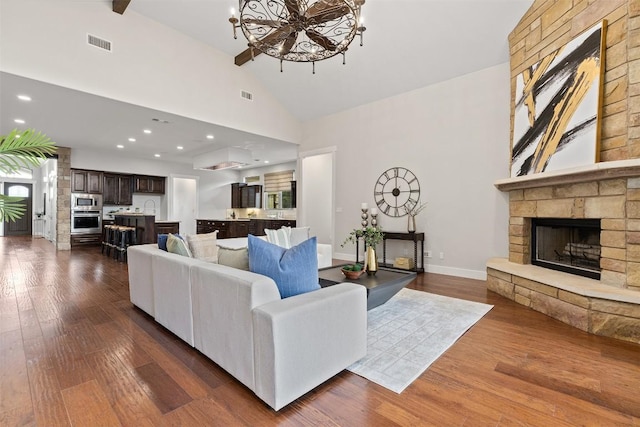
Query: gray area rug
point(408, 333)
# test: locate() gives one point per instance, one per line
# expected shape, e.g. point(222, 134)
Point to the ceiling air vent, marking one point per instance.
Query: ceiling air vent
point(246, 95)
point(99, 43)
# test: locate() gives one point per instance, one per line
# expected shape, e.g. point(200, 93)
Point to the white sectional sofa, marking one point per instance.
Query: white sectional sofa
point(279, 348)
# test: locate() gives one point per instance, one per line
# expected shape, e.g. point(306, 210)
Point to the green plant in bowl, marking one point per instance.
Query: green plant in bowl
point(353, 267)
point(352, 271)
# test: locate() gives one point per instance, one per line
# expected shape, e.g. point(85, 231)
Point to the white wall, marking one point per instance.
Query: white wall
point(316, 201)
point(455, 137)
point(151, 65)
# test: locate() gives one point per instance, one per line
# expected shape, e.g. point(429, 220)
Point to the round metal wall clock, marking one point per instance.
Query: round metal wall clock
point(396, 190)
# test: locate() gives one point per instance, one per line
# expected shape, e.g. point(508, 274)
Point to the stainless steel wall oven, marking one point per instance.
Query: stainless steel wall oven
point(86, 213)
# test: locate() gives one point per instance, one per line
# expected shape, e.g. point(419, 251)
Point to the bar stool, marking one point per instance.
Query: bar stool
point(107, 239)
point(125, 237)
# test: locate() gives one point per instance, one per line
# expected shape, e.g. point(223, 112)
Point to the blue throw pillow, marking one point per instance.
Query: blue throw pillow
point(162, 241)
point(295, 270)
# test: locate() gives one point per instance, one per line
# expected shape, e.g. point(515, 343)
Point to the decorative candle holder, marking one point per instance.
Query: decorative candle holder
point(374, 219)
point(364, 217)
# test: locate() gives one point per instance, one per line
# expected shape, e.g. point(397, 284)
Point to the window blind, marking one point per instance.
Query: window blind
point(278, 181)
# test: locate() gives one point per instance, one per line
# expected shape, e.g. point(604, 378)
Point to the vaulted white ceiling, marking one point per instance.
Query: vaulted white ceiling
point(408, 44)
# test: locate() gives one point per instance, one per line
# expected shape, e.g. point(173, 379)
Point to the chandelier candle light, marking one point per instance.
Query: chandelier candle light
point(299, 30)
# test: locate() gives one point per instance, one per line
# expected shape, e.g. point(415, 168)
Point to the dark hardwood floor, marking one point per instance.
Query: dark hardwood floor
point(74, 351)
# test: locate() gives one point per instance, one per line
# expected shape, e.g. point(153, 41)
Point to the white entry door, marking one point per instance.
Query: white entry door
point(183, 202)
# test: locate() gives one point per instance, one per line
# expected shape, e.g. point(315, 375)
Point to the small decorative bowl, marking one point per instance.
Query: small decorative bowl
point(352, 275)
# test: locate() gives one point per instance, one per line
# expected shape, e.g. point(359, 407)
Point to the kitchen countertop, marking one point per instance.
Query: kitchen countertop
point(247, 219)
point(226, 219)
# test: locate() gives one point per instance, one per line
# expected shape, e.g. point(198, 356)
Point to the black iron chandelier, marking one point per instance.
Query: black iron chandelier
point(298, 30)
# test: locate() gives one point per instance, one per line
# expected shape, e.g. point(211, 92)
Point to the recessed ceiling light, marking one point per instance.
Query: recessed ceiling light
point(156, 155)
point(180, 147)
point(147, 131)
point(120, 146)
point(266, 161)
point(210, 136)
point(20, 121)
point(132, 140)
point(24, 97)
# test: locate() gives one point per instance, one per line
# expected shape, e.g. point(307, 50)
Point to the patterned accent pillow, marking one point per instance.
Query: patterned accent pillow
point(176, 245)
point(280, 237)
point(236, 258)
point(294, 270)
point(204, 246)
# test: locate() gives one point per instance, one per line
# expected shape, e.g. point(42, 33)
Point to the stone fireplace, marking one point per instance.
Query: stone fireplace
point(607, 192)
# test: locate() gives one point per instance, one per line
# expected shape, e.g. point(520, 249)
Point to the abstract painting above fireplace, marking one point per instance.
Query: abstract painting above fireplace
point(557, 107)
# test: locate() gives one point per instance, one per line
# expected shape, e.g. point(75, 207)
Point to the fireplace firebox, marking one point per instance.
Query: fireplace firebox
point(569, 245)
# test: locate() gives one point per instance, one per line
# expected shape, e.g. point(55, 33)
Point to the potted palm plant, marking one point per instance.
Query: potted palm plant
point(371, 236)
point(20, 150)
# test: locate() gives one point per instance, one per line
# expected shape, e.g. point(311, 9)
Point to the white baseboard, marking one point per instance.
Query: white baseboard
point(458, 272)
point(347, 257)
point(437, 269)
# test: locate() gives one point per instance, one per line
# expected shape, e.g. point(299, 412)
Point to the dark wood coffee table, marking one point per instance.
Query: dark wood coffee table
point(380, 287)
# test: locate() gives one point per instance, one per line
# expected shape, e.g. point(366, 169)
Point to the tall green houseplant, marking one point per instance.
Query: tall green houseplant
point(21, 150)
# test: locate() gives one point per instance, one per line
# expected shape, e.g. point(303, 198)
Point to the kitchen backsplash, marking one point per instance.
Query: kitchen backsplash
point(142, 203)
point(260, 213)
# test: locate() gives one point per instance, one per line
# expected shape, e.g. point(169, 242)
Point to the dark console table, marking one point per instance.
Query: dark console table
point(412, 237)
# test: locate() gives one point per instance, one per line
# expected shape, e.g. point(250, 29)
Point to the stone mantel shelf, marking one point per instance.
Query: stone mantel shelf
point(565, 281)
point(598, 171)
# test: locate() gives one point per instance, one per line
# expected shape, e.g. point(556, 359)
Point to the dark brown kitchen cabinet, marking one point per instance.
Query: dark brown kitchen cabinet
point(209, 226)
point(246, 196)
point(252, 196)
point(84, 181)
point(148, 184)
point(229, 229)
point(236, 195)
point(259, 225)
point(166, 227)
point(238, 229)
point(93, 239)
point(118, 189)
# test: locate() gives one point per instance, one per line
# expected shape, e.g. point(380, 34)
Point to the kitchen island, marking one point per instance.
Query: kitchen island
point(145, 226)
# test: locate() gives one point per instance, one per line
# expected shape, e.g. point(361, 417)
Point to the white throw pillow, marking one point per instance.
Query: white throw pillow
point(204, 246)
point(298, 235)
point(279, 237)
